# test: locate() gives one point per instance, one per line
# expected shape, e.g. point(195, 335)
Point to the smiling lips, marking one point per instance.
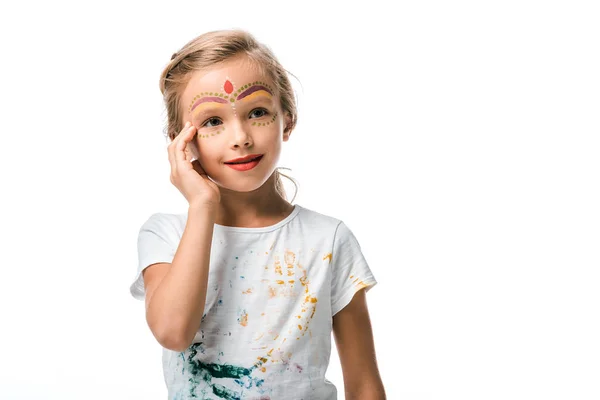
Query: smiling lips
point(250, 157)
point(244, 163)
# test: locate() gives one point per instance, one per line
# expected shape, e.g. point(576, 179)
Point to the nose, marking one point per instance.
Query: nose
point(240, 137)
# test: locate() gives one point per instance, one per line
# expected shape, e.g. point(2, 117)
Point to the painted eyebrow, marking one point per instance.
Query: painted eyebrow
point(206, 100)
point(253, 89)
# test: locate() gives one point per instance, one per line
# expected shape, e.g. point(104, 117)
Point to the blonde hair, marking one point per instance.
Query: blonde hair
point(215, 47)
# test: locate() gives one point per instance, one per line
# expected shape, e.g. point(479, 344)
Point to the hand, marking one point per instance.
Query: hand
point(188, 176)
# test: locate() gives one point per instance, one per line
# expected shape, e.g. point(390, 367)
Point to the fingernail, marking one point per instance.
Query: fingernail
point(187, 124)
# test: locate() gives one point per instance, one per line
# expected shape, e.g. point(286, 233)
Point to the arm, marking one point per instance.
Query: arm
point(176, 292)
point(354, 339)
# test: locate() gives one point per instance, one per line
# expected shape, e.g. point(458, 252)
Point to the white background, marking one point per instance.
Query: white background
point(458, 140)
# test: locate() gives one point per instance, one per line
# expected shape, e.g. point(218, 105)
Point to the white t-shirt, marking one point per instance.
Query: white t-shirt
point(271, 295)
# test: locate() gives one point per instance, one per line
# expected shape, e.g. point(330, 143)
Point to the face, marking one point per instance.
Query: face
point(237, 113)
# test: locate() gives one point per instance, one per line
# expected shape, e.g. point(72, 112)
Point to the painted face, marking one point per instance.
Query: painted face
point(237, 112)
point(204, 103)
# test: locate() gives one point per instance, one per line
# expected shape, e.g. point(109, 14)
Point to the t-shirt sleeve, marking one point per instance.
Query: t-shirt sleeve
point(350, 271)
point(157, 243)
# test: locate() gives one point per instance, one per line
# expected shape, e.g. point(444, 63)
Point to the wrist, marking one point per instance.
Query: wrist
point(202, 206)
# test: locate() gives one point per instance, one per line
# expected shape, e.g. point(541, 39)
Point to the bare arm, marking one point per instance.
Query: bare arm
point(354, 339)
point(176, 292)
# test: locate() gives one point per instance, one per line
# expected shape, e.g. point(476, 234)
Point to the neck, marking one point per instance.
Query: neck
point(258, 208)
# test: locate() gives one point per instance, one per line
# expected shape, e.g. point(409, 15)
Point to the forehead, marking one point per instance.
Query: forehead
point(223, 78)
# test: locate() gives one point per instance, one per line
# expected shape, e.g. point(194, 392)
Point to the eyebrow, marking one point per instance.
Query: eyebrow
point(253, 89)
point(208, 99)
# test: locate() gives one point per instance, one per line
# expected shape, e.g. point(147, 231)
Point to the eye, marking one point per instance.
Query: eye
point(212, 122)
point(258, 112)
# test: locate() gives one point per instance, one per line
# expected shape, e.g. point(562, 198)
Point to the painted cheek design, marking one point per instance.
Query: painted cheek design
point(213, 133)
point(265, 123)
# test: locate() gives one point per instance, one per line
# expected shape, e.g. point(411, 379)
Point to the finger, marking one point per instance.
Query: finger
point(182, 142)
point(172, 146)
point(176, 139)
point(189, 154)
point(192, 146)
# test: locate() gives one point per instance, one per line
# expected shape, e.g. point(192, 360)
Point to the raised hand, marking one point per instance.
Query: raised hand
point(187, 175)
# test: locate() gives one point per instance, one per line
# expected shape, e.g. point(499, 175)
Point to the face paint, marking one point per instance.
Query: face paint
point(265, 123)
point(229, 94)
point(209, 100)
point(228, 88)
point(255, 91)
point(212, 133)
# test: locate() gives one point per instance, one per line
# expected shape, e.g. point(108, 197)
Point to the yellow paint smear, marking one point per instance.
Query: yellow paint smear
point(244, 320)
point(258, 93)
point(277, 266)
point(202, 106)
point(290, 257)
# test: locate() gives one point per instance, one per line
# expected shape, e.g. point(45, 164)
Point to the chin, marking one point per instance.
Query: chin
point(243, 185)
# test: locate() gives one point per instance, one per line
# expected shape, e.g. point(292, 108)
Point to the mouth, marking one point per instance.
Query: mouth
point(245, 160)
point(244, 165)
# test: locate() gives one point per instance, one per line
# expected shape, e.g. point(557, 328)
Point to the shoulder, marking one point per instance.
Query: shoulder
point(161, 218)
point(165, 224)
point(317, 219)
point(327, 225)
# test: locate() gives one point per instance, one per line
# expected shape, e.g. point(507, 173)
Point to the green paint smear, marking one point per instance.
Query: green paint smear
point(215, 370)
point(207, 371)
point(225, 393)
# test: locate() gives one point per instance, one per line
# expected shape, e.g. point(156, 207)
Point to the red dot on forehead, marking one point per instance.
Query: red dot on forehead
point(228, 87)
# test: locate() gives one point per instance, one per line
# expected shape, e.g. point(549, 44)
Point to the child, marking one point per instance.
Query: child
point(244, 290)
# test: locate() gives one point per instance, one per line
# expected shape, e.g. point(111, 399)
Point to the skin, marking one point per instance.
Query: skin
point(248, 198)
point(353, 336)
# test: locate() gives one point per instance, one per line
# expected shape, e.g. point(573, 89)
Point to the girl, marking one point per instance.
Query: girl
point(244, 290)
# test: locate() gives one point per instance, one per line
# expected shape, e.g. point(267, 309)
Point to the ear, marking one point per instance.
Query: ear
point(287, 127)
